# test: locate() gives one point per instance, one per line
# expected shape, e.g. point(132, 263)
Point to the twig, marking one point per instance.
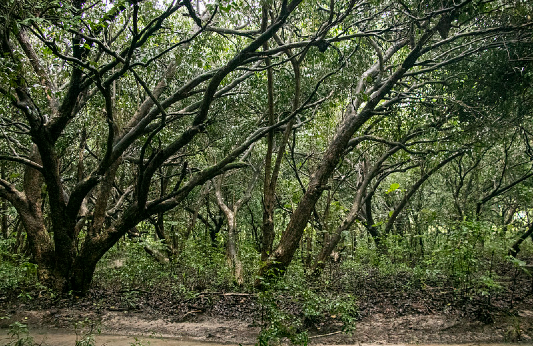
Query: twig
point(228, 294)
point(328, 334)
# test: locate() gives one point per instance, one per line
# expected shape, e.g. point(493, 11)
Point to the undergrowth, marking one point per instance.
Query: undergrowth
point(469, 262)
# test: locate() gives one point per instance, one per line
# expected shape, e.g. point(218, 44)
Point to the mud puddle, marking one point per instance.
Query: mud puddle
point(59, 327)
point(66, 338)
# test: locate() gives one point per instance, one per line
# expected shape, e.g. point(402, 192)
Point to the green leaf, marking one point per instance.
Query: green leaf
point(393, 187)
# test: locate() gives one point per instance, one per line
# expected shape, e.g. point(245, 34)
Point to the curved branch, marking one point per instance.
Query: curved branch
point(22, 160)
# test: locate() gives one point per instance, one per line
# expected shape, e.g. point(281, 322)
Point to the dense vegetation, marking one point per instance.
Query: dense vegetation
point(241, 145)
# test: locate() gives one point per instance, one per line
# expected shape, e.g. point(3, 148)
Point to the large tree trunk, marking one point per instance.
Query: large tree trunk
point(82, 273)
point(39, 240)
point(84, 265)
point(58, 258)
point(94, 247)
point(280, 259)
point(40, 246)
point(282, 256)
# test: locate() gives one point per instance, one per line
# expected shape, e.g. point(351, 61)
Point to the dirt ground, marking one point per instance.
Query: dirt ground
point(204, 326)
point(388, 313)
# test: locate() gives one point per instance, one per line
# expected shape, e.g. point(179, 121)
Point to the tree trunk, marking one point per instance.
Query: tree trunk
point(282, 256)
point(28, 206)
point(40, 246)
point(231, 244)
point(3, 207)
point(371, 227)
point(232, 250)
point(272, 173)
point(268, 235)
point(366, 176)
point(413, 190)
point(515, 249)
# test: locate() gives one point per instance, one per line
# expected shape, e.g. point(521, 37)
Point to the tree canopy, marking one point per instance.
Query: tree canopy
point(127, 112)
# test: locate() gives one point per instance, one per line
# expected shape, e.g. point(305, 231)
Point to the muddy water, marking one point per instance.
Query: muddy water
point(62, 338)
point(65, 338)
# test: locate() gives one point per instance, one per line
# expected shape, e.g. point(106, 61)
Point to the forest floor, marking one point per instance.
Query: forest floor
point(388, 313)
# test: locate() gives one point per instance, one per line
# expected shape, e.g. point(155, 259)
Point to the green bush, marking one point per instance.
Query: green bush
point(16, 270)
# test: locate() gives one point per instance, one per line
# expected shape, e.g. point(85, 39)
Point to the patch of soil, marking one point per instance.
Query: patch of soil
point(436, 328)
point(375, 329)
point(393, 311)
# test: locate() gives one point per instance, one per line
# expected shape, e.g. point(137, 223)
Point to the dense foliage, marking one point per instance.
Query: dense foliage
point(221, 145)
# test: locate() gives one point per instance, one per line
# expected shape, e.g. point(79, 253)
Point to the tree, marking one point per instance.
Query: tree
point(423, 42)
point(115, 70)
point(231, 216)
point(117, 114)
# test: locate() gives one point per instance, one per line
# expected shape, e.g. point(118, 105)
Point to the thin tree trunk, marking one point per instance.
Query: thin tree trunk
point(231, 244)
point(160, 224)
point(370, 225)
point(413, 190)
point(268, 233)
point(231, 216)
point(19, 237)
point(309, 249)
point(272, 173)
point(353, 214)
point(232, 250)
point(3, 207)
